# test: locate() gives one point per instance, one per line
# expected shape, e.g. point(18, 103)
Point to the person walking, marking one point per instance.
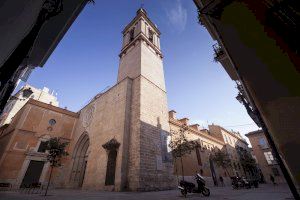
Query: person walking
point(221, 181)
point(272, 179)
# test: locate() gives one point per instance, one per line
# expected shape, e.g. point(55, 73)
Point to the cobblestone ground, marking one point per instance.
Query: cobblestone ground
point(268, 192)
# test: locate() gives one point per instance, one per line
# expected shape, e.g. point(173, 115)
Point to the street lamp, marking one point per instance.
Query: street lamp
point(239, 97)
point(27, 92)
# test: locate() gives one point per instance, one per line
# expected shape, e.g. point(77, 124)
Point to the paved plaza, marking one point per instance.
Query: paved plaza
point(268, 192)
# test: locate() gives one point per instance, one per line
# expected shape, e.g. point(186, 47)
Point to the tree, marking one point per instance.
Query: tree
point(221, 159)
point(56, 150)
point(181, 146)
point(246, 160)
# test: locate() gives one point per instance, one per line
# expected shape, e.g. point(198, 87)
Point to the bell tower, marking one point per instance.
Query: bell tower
point(141, 54)
point(149, 164)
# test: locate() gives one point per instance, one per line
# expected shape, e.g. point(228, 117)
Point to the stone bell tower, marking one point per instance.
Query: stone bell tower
point(149, 164)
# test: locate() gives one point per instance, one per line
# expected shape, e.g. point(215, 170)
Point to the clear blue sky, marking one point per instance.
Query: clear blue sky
point(86, 61)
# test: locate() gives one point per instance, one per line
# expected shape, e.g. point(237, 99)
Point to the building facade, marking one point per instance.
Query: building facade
point(210, 140)
point(22, 143)
point(264, 156)
point(233, 142)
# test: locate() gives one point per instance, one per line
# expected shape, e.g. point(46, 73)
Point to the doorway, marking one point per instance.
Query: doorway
point(33, 173)
point(111, 167)
point(80, 161)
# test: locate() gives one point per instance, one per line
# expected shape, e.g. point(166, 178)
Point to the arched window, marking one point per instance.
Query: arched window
point(131, 34)
point(151, 34)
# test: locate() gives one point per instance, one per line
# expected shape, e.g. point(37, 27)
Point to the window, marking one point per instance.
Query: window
point(52, 122)
point(275, 171)
point(165, 149)
point(269, 157)
point(230, 140)
point(198, 156)
point(168, 142)
point(151, 34)
point(43, 146)
point(262, 143)
point(131, 34)
point(225, 137)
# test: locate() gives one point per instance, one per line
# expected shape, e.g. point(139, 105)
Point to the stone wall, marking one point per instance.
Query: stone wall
point(103, 119)
point(154, 172)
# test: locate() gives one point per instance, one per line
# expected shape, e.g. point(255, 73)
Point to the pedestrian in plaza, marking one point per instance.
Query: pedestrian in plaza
point(221, 181)
point(272, 179)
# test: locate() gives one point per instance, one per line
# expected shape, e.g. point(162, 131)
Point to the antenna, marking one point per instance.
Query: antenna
point(142, 3)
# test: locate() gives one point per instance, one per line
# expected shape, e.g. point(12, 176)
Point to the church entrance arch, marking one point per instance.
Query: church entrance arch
point(80, 160)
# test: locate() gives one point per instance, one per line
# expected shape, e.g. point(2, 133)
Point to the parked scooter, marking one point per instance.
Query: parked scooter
point(246, 183)
point(237, 183)
point(188, 187)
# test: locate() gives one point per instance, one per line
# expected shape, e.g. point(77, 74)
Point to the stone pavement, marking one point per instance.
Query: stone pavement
point(268, 192)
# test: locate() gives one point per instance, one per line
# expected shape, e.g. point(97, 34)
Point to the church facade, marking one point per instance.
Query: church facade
point(117, 141)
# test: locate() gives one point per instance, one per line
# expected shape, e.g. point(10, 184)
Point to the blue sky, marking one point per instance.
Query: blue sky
point(86, 61)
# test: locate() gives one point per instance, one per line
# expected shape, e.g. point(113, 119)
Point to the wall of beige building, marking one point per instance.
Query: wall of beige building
point(264, 157)
point(232, 141)
point(198, 161)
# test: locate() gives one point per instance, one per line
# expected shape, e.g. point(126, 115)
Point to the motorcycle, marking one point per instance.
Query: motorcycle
point(246, 183)
point(188, 187)
point(238, 182)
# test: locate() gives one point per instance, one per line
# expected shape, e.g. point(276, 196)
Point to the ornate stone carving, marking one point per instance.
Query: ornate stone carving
point(111, 144)
point(88, 116)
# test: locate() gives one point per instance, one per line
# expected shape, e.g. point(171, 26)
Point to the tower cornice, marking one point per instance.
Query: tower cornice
point(145, 17)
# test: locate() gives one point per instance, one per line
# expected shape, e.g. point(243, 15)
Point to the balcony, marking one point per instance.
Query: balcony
point(221, 56)
point(219, 52)
point(252, 112)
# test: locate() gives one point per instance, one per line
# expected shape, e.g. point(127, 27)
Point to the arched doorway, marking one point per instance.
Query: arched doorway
point(79, 160)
